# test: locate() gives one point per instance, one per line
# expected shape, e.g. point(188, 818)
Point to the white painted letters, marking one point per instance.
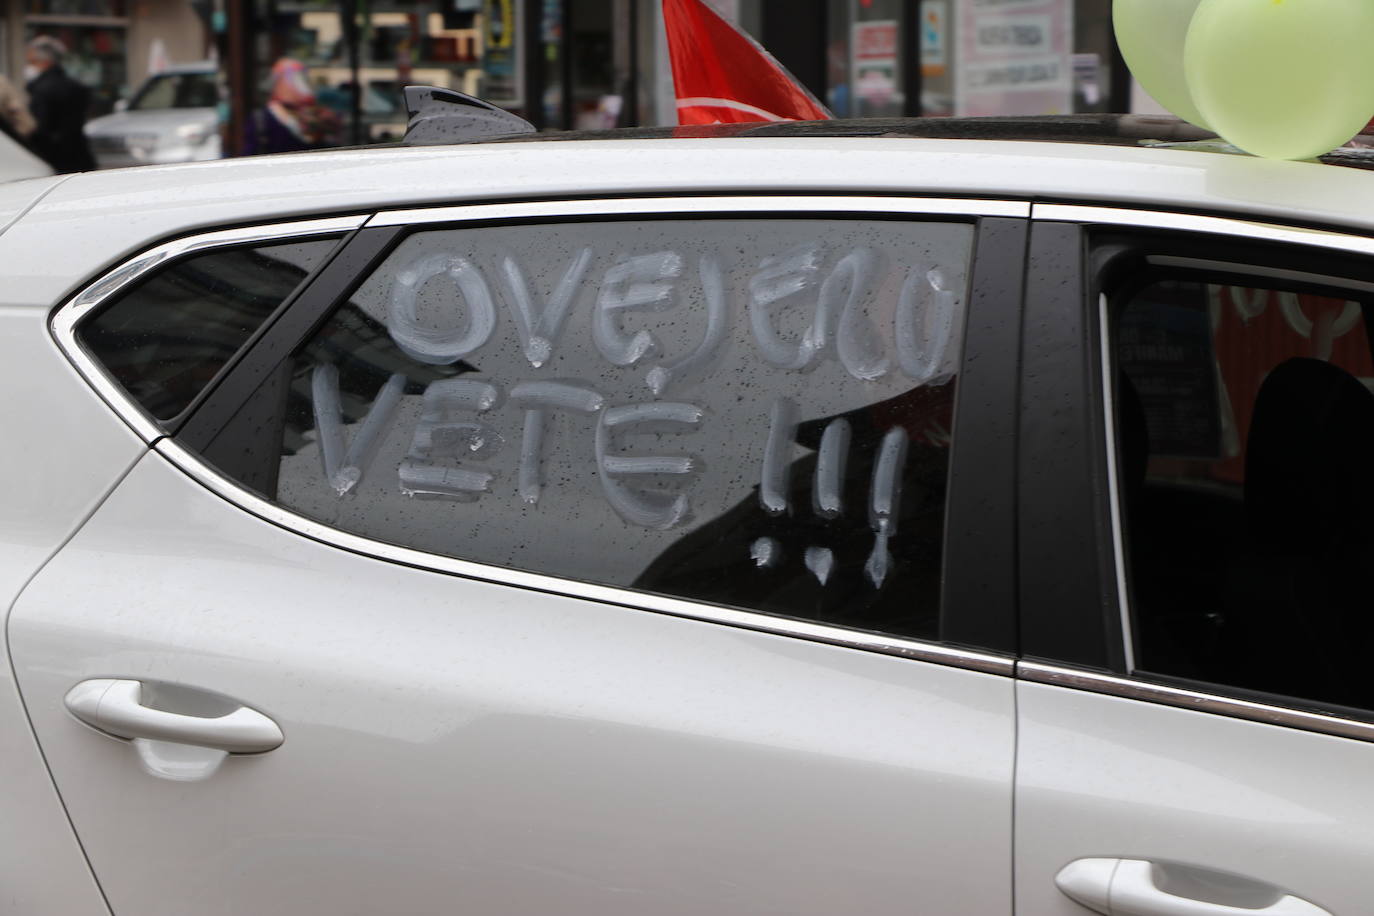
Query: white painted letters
point(717, 327)
point(851, 282)
point(344, 469)
point(782, 279)
point(538, 399)
point(777, 457)
point(445, 432)
point(926, 316)
point(658, 510)
point(828, 492)
point(644, 281)
point(443, 345)
point(886, 500)
point(539, 328)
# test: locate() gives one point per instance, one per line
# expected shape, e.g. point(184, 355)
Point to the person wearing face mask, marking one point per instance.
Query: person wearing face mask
point(59, 105)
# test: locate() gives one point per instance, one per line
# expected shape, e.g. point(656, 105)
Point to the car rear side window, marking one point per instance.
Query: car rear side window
point(165, 338)
point(750, 412)
point(1245, 424)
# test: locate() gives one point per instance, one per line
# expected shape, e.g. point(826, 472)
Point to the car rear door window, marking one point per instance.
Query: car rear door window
point(167, 336)
point(1245, 431)
point(751, 412)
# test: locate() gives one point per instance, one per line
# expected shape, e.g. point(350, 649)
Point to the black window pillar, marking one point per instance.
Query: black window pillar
point(909, 48)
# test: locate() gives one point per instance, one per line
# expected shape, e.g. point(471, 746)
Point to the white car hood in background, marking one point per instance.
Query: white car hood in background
point(161, 123)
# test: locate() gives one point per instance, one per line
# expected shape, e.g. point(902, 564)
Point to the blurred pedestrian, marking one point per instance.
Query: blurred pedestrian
point(59, 105)
point(293, 118)
point(15, 120)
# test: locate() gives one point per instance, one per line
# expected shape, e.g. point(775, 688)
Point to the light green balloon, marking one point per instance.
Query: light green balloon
point(1284, 79)
point(1151, 34)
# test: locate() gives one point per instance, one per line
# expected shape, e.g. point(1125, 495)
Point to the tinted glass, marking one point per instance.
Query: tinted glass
point(1246, 426)
point(750, 412)
point(165, 338)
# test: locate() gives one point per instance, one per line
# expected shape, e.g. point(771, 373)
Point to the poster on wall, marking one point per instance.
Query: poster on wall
point(934, 37)
point(1015, 58)
point(503, 82)
point(874, 58)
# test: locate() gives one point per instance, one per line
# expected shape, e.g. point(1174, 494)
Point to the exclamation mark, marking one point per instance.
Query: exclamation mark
point(885, 505)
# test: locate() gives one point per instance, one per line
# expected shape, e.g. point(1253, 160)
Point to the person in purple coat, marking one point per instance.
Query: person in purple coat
point(292, 119)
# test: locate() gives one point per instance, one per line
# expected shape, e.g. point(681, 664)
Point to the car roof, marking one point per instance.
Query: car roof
point(97, 219)
point(1134, 130)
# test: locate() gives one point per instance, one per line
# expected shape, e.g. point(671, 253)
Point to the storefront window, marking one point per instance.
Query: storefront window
point(977, 57)
point(1094, 44)
point(425, 42)
point(1014, 59)
point(864, 62)
point(549, 57)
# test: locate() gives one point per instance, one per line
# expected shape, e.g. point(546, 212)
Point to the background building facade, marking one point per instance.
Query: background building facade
point(590, 63)
point(112, 44)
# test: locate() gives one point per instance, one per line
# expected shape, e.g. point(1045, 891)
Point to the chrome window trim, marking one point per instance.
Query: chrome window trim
point(1215, 225)
point(90, 297)
point(1197, 701)
point(204, 474)
point(1134, 687)
point(1114, 494)
point(698, 205)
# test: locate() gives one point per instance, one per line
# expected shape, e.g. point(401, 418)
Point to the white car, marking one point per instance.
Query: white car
point(801, 519)
point(16, 162)
point(173, 117)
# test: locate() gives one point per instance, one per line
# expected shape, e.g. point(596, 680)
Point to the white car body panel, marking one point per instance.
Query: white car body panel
point(1106, 776)
point(97, 219)
point(47, 493)
point(16, 197)
point(459, 746)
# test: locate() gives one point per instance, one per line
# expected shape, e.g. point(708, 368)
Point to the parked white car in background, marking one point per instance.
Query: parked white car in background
point(797, 519)
point(173, 117)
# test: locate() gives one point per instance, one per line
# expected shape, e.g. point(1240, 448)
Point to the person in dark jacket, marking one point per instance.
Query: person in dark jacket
point(59, 105)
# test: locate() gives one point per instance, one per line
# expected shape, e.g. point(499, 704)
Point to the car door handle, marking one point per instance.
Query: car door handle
point(1127, 887)
point(115, 706)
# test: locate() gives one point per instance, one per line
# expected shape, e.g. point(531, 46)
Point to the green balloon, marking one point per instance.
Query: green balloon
point(1283, 79)
point(1151, 34)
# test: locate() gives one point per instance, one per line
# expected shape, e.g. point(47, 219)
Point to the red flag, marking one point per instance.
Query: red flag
point(723, 75)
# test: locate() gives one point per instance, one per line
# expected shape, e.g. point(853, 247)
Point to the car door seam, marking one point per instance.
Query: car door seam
point(34, 203)
point(14, 668)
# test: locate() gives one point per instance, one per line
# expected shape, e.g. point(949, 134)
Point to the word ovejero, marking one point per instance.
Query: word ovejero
point(923, 327)
point(452, 445)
